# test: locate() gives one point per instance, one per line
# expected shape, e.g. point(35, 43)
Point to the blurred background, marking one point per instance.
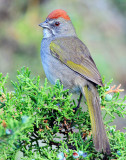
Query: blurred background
point(101, 25)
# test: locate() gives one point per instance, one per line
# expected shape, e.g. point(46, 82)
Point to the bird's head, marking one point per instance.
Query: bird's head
point(57, 24)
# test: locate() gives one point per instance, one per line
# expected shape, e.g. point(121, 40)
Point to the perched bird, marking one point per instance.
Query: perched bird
point(67, 58)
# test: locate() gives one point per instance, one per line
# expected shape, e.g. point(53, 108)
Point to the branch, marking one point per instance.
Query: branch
point(115, 90)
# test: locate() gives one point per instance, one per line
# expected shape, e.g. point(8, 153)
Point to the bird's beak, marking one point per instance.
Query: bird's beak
point(44, 24)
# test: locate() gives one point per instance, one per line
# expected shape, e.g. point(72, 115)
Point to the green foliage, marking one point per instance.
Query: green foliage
point(40, 122)
point(121, 5)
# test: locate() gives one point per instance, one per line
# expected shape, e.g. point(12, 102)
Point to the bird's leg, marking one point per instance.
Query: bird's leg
point(78, 102)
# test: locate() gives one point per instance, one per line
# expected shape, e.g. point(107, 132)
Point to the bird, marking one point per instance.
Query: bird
point(66, 58)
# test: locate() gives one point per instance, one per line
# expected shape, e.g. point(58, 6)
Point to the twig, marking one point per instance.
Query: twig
point(115, 90)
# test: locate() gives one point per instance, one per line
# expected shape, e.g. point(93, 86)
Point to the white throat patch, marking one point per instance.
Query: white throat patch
point(46, 33)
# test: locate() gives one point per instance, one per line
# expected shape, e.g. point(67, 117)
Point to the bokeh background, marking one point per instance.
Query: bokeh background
point(100, 24)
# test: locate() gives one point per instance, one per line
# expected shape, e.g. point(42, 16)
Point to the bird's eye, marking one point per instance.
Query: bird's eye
point(57, 23)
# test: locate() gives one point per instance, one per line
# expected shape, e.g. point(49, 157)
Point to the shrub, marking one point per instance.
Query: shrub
point(40, 122)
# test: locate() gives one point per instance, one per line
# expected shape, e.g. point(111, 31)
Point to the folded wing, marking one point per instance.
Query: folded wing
point(74, 54)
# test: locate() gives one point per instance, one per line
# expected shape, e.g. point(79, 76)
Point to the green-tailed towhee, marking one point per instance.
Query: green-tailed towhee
point(66, 58)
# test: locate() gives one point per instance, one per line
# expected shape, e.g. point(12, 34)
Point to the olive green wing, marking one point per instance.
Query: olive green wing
point(74, 54)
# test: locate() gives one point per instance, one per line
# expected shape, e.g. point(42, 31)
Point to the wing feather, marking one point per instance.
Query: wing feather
point(74, 54)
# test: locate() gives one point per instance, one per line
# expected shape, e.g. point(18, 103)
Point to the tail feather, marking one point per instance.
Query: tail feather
point(98, 130)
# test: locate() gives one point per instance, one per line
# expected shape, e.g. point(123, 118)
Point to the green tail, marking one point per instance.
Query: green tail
point(98, 130)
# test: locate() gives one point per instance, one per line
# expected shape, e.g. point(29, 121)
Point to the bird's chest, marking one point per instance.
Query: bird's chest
point(55, 69)
point(50, 64)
